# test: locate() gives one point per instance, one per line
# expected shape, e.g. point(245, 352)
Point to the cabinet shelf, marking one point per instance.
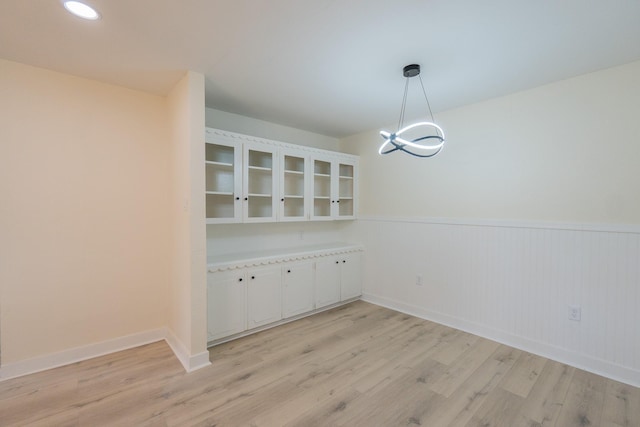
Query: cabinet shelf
point(294, 172)
point(259, 168)
point(322, 175)
point(219, 164)
point(258, 195)
point(294, 196)
point(219, 193)
point(346, 177)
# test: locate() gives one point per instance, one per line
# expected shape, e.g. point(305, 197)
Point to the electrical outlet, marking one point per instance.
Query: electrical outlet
point(419, 281)
point(575, 312)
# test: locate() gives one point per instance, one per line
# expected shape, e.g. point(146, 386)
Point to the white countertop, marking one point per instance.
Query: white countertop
point(280, 254)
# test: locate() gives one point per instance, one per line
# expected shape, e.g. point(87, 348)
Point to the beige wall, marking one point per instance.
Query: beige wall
point(83, 212)
point(187, 279)
point(565, 152)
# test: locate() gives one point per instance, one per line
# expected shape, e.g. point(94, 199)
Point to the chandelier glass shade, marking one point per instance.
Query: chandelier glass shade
point(421, 139)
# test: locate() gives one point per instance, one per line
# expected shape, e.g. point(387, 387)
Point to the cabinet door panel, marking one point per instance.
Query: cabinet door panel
point(345, 186)
point(323, 196)
point(350, 277)
point(259, 183)
point(297, 288)
point(327, 281)
point(264, 298)
point(294, 177)
point(226, 298)
point(223, 174)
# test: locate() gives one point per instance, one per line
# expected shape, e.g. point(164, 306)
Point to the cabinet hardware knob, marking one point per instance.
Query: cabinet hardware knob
point(237, 198)
point(344, 261)
point(240, 279)
point(282, 200)
point(338, 201)
point(337, 262)
point(246, 198)
point(253, 277)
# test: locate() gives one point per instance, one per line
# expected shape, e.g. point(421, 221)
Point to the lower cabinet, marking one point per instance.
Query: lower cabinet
point(327, 281)
point(350, 276)
point(227, 304)
point(263, 296)
point(249, 297)
point(297, 289)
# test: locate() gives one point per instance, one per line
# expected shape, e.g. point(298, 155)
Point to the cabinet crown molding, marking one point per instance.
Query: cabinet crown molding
point(219, 134)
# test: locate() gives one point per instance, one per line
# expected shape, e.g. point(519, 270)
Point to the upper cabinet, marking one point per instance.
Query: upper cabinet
point(251, 179)
point(334, 187)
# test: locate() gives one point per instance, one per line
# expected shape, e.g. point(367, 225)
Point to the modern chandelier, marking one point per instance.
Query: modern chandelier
point(428, 142)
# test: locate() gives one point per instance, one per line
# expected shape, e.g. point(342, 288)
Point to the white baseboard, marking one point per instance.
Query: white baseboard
point(78, 354)
point(600, 367)
point(189, 362)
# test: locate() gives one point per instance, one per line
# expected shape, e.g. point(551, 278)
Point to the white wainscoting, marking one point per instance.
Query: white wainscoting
point(513, 282)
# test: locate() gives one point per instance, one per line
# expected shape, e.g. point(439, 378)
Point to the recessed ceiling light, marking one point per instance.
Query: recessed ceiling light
point(82, 10)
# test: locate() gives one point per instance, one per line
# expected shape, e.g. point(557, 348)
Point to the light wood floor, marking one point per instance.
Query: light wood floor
point(357, 365)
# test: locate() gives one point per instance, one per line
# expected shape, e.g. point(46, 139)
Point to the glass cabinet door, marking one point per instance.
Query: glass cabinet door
point(259, 184)
point(345, 186)
point(293, 187)
point(322, 195)
point(222, 186)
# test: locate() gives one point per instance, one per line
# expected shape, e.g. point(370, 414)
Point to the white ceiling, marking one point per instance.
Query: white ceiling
point(328, 66)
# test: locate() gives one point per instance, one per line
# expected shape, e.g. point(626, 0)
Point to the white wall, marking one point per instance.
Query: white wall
point(227, 239)
point(187, 318)
point(83, 216)
point(532, 206)
point(246, 125)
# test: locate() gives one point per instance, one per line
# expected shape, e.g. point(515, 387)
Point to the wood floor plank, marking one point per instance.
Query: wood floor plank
point(452, 345)
point(501, 408)
point(334, 412)
point(405, 399)
point(524, 374)
point(356, 365)
point(621, 405)
point(463, 367)
point(460, 407)
point(547, 396)
point(584, 402)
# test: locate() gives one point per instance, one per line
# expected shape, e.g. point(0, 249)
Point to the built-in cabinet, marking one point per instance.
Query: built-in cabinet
point(333, 188)
point(268, 288)
point(251, 179)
